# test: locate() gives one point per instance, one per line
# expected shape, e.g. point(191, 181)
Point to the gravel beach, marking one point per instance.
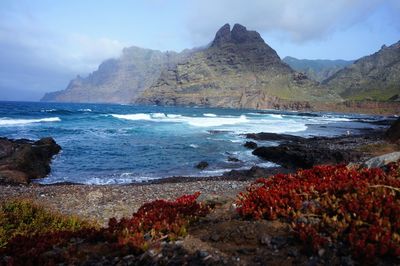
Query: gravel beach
point(100, 203)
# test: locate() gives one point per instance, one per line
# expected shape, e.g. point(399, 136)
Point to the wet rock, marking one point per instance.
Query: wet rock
point(273, 137)
point(202, 165)
point(314, 151)
point(233, 159)
point(23, 160)
point(250, 145)
point(254, 172)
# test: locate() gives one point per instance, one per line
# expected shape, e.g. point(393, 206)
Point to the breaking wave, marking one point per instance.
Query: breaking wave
point(5, 121)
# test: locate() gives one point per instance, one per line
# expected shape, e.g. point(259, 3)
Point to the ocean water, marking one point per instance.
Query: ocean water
point(112, 144)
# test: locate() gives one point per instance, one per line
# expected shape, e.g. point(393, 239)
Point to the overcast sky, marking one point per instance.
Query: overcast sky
point(44, 44)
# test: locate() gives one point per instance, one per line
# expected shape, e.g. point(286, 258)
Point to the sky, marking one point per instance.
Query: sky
point(46, 43)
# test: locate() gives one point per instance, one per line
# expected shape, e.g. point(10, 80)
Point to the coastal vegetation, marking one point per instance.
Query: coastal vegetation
point(332, 206)
point(344, 210)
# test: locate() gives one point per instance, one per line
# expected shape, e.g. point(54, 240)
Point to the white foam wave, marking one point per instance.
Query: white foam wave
point(173, 116)
point(214, 121)
point(85, 110)
point(158, 115)
point(336, 119)
point(216, 172)
point(5, 121)
point(276, 116)
point(237, 124)
point(209, 115)
point(193, 121)
point(124, 178)
point(194, 146)
point(133, 116)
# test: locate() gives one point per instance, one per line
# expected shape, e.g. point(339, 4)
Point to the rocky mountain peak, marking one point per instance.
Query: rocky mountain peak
point(239, 34)
point(223, 35)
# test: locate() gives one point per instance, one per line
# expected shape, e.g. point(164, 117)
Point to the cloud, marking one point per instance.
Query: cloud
point(298, 21)
point(35, 59)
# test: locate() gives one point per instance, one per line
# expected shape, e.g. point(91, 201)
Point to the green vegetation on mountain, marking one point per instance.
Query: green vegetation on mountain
point(373, 77)
point(237, 70)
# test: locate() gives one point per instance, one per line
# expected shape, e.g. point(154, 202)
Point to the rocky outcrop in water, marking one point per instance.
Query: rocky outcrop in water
point(305, 153)
point(22, 160)
point(238, 70)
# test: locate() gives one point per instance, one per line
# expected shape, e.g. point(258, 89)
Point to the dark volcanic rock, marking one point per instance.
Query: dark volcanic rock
point(23, 160)
point(393, 133)
point(254, 172)
point(301, 156)
point(273, 137)
point(318, 150)
point(250, 145)
point(202, 165)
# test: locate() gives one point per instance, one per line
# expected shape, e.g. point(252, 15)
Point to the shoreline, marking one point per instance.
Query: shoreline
point(101, 202)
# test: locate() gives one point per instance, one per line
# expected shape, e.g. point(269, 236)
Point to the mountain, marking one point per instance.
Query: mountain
point(318, 69)
point(373, 77)
point(238, 70)
point(118, 80)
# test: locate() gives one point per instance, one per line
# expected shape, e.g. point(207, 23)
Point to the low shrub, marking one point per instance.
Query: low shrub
point(360, 208)
point(157, 220)
point(24, 218)
point(28, 231)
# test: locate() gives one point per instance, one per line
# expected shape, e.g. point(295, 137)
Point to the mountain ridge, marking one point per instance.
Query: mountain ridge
point(238, 69)
point(317, 69)
point(372, 77)
point(118, 80)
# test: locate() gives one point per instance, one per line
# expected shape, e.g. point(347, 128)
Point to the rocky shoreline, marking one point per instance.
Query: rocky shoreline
point(23, 160)
point(221, 238)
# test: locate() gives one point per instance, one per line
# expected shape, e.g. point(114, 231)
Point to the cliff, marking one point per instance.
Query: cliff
point(238, 70)
point(373, 77)
point(117, 80)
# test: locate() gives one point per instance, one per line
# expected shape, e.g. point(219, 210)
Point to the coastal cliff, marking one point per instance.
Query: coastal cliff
point(238, 70)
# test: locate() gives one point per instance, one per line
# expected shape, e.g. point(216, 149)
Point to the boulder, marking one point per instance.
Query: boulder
point(250, 145)
point(306, 154)
point(22, 160)
point(202, 165)
point(382, 160)
point(393, 133)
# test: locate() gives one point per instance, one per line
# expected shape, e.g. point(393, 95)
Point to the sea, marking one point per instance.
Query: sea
point(121, 144)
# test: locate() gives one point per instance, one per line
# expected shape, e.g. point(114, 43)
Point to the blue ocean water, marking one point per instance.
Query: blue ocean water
point(109, 144)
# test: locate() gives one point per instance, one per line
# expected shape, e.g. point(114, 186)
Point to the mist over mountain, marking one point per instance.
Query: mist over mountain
point(118, 80)
point(317, 69)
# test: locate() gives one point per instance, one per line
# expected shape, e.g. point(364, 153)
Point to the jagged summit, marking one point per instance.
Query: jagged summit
point(239, 34)
point(237, 70)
